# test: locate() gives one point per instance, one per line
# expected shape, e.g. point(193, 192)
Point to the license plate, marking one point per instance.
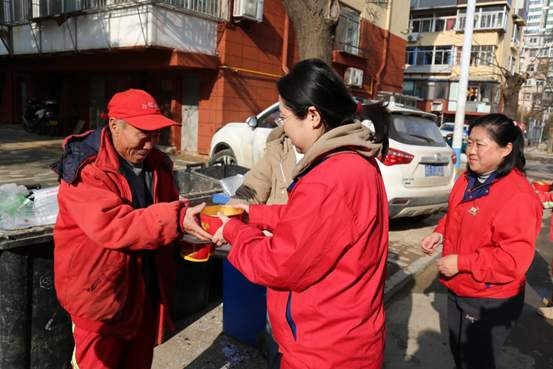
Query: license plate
point(53, 122)
point(433, 170)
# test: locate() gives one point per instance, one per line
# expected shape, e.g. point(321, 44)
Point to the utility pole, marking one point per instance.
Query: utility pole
point(463, 83)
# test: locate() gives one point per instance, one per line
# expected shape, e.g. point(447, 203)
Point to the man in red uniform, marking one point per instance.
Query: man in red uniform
point(119, 216)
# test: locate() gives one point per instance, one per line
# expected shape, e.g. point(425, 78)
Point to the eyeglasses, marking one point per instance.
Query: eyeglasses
point(280, 120)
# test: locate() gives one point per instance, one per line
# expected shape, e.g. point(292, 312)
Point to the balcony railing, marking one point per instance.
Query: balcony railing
point(13, 11)
point(432, 4)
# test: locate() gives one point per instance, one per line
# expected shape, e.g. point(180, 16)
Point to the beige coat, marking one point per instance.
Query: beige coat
point(267, 182)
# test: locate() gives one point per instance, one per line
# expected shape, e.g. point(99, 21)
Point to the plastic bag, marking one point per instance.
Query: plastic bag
point(45, 205)
point(231, 184)
point(41, 208)
point(12, 197)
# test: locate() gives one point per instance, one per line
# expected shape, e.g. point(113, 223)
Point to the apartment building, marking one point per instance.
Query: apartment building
point(536, 95)
point(207, 62)
point(435, 43)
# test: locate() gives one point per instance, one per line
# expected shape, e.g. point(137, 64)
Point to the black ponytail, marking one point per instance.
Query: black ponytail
point(312, 83)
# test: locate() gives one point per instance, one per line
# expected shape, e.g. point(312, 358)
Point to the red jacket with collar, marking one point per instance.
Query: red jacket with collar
point(325, 264)
point(547, 199)
point(493, 234)
point(98, 236)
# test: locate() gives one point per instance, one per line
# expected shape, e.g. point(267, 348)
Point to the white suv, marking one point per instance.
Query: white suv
point(418, 171)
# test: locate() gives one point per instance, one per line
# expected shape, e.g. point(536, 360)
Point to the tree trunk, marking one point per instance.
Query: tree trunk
point(513, 83)
point(314, 22)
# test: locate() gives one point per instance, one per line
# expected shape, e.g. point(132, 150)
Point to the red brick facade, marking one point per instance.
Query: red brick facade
point(225, 95)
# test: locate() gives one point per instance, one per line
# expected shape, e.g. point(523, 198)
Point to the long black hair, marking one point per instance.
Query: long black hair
point(503, 130)
point(312, 83)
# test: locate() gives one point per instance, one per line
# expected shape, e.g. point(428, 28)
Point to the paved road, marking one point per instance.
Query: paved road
point(417, 323)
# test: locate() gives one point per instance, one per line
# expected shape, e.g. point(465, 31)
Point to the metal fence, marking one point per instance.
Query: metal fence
point(12, 11)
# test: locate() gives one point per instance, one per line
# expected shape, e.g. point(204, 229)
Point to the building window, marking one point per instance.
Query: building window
point(531, 68)
point(512, 64)
point(533, 53)
point(547, 95)
point(488, 17)
point(429, 55)
point(347, 31)
point(427, 90)
point(540, 82)
point(432, 23)
point(421, 25)
point(480, 55)
point(527, 97)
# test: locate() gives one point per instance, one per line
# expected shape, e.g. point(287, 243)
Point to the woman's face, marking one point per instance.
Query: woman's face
point(483, 153)
point(302, 131)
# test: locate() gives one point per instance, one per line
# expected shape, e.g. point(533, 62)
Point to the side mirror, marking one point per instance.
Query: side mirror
point(252, 122)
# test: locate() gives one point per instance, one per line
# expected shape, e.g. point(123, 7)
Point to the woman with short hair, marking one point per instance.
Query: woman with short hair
point(488, 236)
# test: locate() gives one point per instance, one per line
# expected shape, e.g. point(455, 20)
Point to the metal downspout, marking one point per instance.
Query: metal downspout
point(285, 44)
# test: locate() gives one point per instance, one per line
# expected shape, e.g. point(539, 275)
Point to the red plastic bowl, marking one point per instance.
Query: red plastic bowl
point(541, 187)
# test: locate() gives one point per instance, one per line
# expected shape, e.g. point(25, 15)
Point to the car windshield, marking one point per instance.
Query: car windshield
point(415, 131)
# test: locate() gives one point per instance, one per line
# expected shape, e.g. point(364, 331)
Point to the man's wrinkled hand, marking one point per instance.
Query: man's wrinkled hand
point(190, 223)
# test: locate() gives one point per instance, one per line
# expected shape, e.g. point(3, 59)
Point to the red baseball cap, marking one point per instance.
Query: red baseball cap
point(139, 109)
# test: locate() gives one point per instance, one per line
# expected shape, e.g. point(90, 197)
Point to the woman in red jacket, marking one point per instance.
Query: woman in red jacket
point(325, 264)
point(489, 236)
point(547, 200)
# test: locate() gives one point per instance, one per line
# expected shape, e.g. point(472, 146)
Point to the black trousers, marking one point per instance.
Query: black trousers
point(478, 328)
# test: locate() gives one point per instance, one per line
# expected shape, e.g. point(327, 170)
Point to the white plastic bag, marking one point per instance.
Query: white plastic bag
point(45, 205)
point(231, 184)
point(12, 197)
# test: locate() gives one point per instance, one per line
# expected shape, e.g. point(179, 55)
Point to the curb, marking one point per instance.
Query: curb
point(403, 276)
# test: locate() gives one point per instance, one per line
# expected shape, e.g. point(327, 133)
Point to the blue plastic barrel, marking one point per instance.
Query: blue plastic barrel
point(244, 306)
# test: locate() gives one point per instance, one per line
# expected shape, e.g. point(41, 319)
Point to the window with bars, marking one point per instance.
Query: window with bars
point(347, 31)
point(20, 10)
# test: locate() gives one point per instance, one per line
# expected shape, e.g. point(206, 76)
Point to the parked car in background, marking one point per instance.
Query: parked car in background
point(418, 171)
point(447, 132)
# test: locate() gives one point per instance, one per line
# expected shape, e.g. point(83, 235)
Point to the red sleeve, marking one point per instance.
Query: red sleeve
point(94, 204)
point(515, 230)
point(546, 198)
point(441, 226)
point(314, 231)
point(266, 216)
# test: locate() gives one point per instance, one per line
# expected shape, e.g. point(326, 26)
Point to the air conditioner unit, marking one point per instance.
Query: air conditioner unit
point(353, 77)
point(436, 106)
point(412, 37)
point(248, 9)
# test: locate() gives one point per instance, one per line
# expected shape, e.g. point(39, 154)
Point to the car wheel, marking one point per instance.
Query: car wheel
point(226, 156)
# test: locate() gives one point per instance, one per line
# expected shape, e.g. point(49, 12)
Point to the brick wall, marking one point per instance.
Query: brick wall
point(232, 96)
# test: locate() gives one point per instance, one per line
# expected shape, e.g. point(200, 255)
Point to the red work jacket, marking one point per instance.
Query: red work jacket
point(98, 236)
point(493, 229)
point(325, 265)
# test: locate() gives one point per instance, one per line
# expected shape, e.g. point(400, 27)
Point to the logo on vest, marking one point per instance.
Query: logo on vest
point(474, 210)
